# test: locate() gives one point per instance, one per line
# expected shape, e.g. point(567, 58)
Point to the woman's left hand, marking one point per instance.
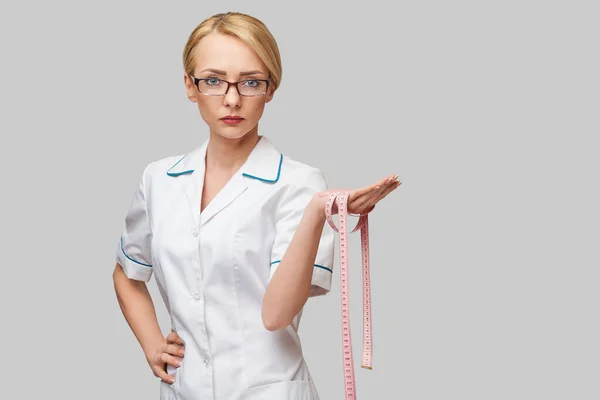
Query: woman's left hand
point(363, 200)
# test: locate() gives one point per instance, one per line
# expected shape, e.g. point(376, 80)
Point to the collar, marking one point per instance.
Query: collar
point(263, 163)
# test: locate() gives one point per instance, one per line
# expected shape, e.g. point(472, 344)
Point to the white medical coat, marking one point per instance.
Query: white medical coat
point(212, 270)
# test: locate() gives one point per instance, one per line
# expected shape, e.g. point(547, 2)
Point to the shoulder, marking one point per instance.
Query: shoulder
point(162, 165)
point(157, 169)
point(295, 173)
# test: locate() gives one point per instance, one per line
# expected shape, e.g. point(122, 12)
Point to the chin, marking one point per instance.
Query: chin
point(232, 133)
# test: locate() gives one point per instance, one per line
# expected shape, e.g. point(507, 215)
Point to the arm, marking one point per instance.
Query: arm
point(290, 285)
point(138, 310)
point(132, 270)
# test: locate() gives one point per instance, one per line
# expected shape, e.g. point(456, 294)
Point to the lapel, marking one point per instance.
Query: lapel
point(262, 165)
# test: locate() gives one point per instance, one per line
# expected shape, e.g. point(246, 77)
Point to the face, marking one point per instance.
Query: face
point(224, 57)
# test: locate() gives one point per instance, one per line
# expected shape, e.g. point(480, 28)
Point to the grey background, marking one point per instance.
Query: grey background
point(484, 262)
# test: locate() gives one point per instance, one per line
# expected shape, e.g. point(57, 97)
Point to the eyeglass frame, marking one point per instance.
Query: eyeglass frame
point(197, 80)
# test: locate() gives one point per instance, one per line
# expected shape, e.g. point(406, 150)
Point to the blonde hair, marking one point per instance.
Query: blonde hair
point(249, 30)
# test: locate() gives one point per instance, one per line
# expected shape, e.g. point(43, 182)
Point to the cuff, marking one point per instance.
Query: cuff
point(133, 268)
point(321, 280)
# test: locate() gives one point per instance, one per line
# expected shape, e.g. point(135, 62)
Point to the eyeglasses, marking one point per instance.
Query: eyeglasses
point(219, 87)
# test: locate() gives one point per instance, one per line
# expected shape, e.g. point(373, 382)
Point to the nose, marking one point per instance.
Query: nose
point(232, 97)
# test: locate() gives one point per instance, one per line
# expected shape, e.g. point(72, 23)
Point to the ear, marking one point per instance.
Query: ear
point(190, 89)
point(270, 94)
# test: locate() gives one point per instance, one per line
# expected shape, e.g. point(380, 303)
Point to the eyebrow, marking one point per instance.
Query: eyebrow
point(220, 72)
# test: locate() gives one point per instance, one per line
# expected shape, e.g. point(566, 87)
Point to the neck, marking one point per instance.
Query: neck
point(229, 154)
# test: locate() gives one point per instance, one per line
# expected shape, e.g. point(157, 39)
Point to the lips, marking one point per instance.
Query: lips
point(232, 118)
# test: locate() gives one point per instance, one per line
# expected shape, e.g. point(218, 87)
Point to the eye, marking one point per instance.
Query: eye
point(212, 81)
point(251, 83)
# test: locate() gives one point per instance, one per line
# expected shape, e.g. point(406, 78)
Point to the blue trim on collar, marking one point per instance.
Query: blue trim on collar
point(243, 174)
point(179, 173)
point(268, 180)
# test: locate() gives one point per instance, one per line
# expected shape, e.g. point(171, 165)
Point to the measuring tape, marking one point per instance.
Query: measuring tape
point(341, 200)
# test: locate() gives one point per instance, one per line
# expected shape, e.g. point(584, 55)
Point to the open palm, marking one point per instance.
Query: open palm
point(363, 200)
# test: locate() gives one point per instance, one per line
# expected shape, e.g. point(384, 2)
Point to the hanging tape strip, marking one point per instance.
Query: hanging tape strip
point(341, 200)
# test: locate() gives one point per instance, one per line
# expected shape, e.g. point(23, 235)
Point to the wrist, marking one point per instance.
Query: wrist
point(151, 347)
point(316, 209)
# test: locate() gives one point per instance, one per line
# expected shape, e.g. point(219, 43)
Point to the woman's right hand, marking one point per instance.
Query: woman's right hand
point(170, 352)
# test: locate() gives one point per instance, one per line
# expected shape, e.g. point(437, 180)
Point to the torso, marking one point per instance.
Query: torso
point(215, 244)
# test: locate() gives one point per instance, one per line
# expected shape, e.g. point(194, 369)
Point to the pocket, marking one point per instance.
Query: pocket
point(167, 390)
point(284, 390)
point(173, 371)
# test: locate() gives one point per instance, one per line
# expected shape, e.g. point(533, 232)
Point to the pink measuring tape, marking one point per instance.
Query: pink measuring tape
point(341, 200)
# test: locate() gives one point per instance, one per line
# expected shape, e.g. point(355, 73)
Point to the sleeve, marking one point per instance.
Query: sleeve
point(134, 251)
point(289, 216)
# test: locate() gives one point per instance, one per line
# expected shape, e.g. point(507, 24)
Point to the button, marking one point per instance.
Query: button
point(194, 233)
point(207, 361)
point(197, 297)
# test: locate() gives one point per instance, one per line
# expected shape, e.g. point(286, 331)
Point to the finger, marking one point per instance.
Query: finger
point(173, 337)
point(373, 187)
point(363, 191)
point(374, 197)
point(379, 194)
point(359, 197)
point(358, 204)
point(160, 372)
point(381, 185)
point(390, 179)
point(389, 190)
point(391, 185)
point(174, 350)
point(362, 201)
point(171, 360)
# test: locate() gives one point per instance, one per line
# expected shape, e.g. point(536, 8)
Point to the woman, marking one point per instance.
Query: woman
point(233, 230)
